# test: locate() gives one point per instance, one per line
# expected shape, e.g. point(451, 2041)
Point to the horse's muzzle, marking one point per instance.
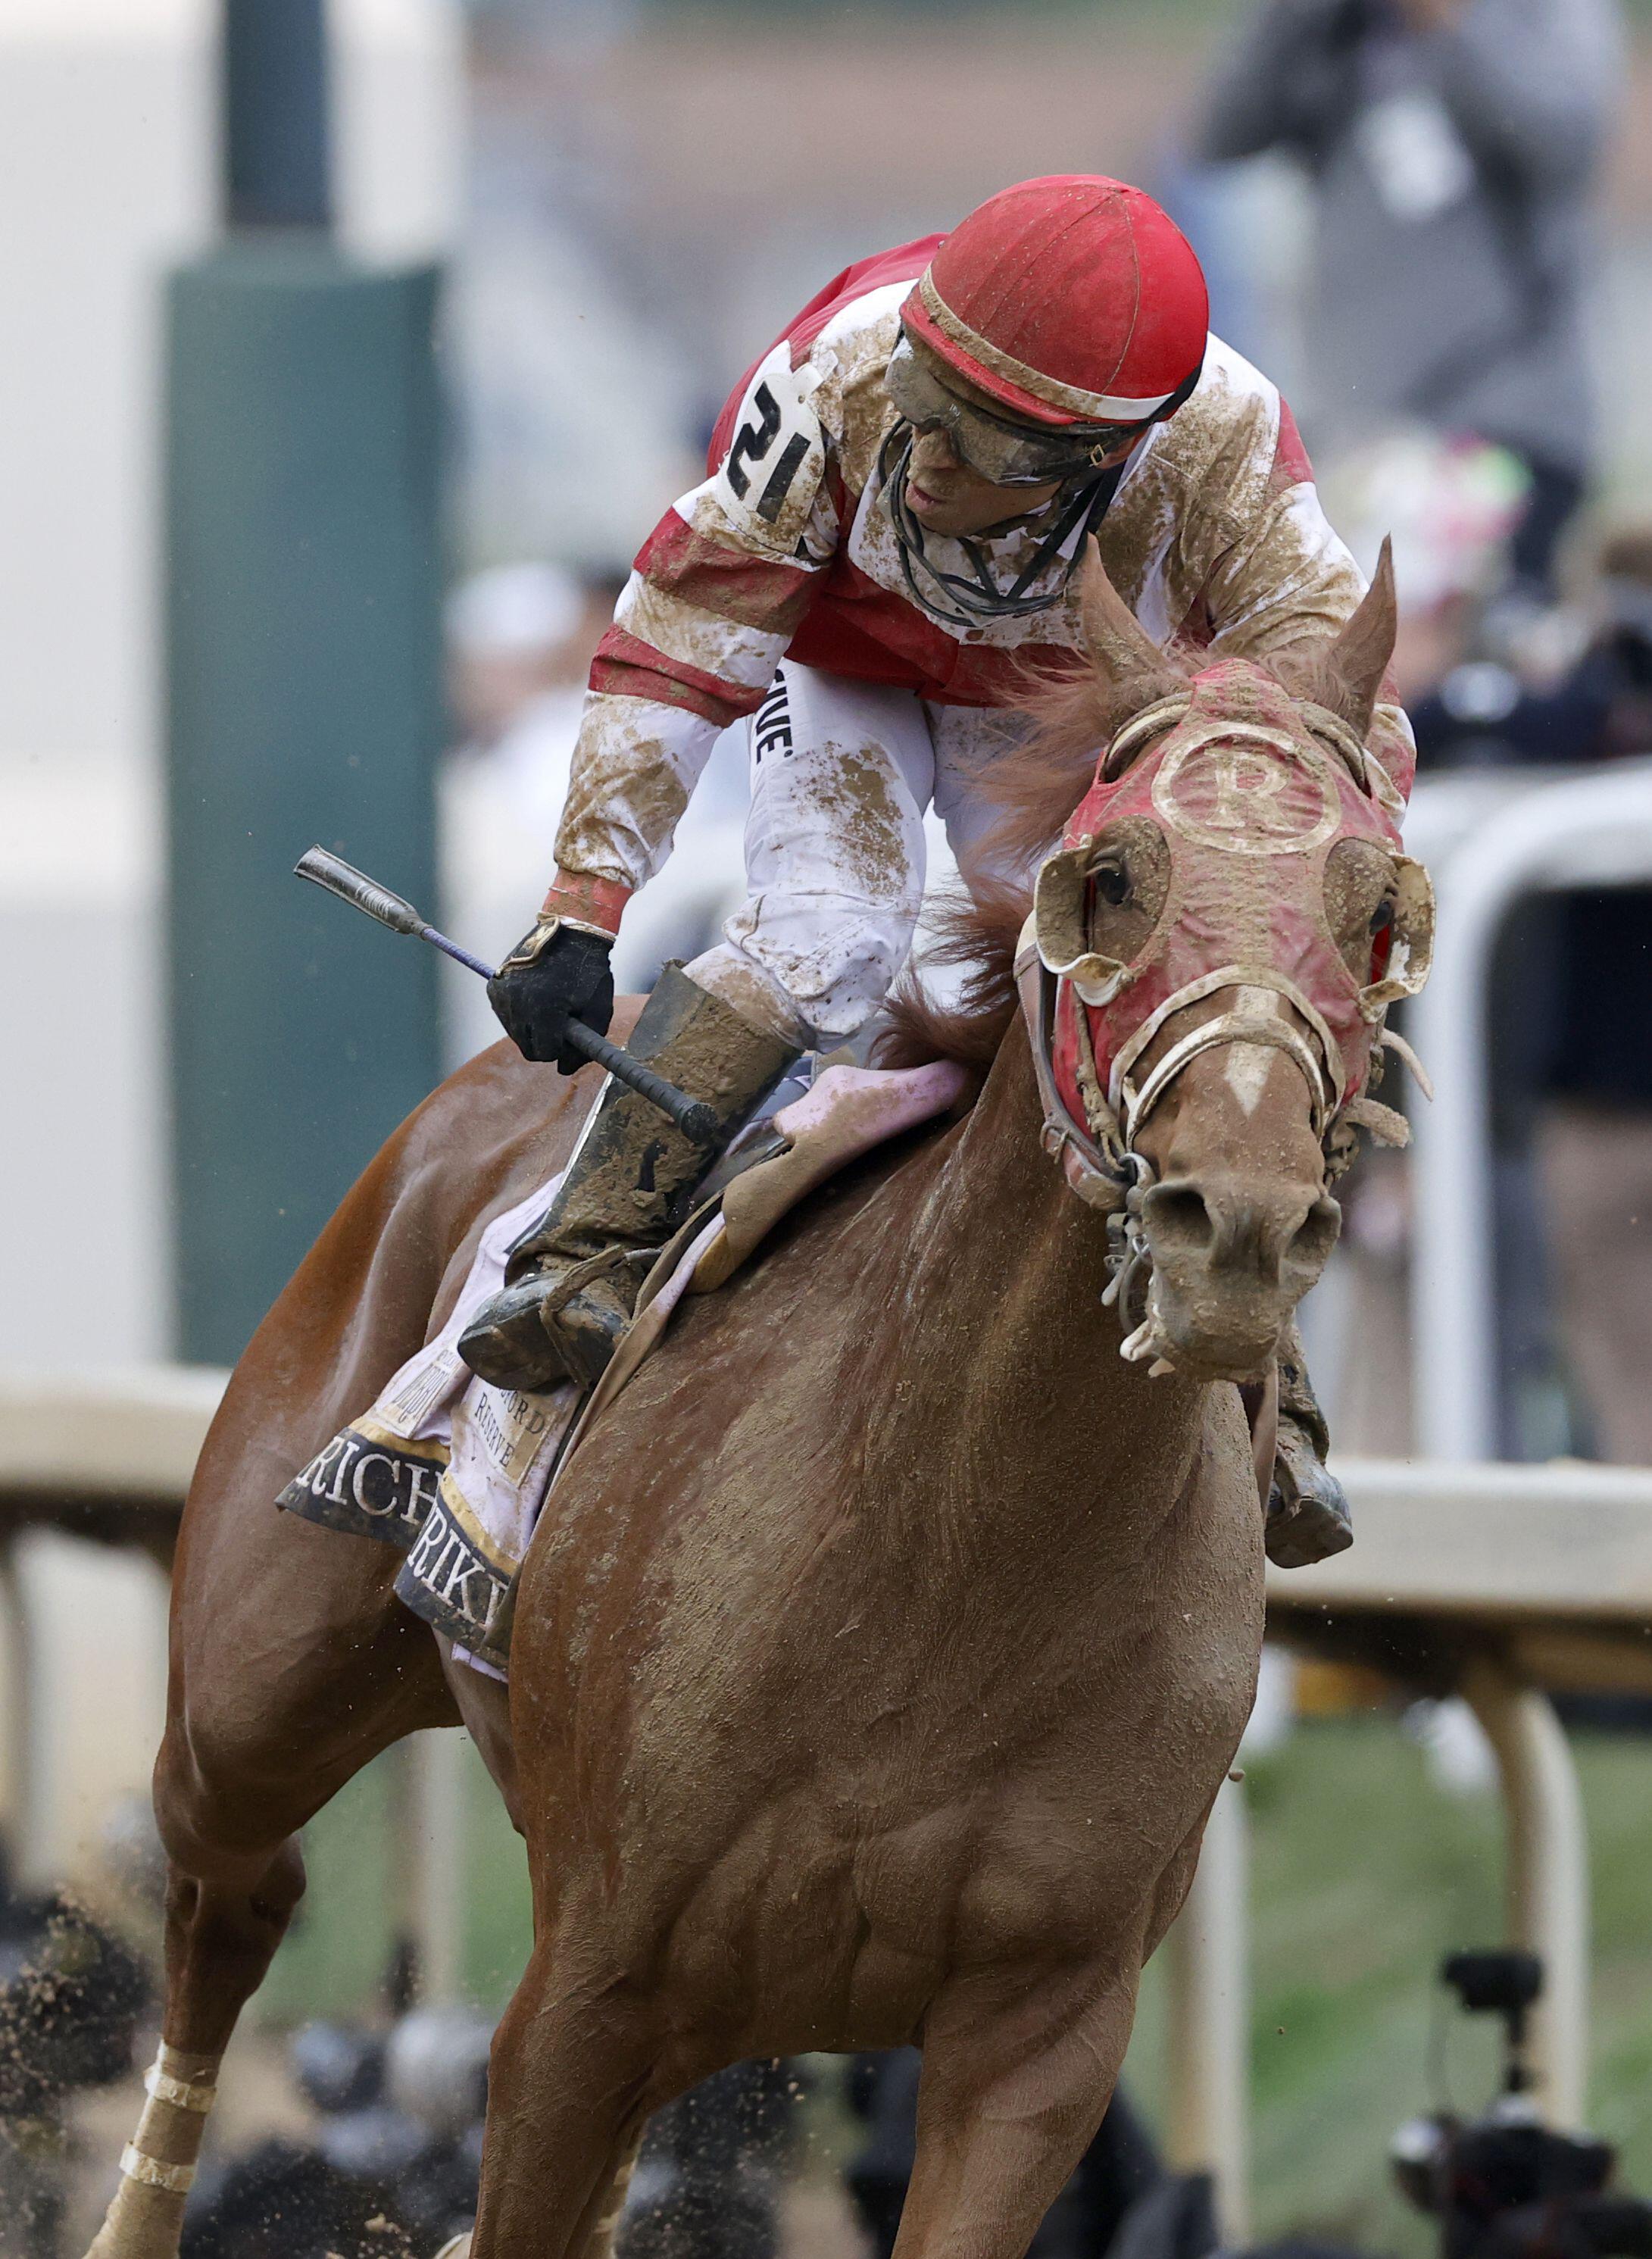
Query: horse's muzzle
point(1231, 1261)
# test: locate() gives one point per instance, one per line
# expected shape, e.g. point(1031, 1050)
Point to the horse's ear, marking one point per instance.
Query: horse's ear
point(1354, 663)
point(1119, 646)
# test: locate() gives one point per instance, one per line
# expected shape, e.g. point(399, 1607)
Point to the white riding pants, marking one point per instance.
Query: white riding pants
point(842, 775)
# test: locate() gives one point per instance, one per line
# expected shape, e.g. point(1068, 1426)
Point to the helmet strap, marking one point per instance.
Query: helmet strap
point(962, 599)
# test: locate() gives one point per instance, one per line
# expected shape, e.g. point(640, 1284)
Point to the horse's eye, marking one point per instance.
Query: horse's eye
point(1381, 918)
point(1112, 883)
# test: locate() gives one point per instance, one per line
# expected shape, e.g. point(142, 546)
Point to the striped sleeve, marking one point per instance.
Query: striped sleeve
point(718, 591)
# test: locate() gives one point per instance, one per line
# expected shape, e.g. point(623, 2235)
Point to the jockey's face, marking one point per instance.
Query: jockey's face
point(947, 498)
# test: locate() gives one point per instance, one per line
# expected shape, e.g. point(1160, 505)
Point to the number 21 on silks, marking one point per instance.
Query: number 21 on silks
point(773, 465)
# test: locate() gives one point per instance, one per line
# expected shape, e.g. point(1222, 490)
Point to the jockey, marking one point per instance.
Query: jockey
point(901, 492)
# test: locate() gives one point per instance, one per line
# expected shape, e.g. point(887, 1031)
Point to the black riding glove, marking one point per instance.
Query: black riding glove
point(554, 974)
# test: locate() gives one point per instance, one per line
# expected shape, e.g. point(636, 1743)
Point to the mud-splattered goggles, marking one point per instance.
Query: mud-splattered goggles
point(1007, 453)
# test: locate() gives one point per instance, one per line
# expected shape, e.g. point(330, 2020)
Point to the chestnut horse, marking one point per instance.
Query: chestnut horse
point(879, 1651)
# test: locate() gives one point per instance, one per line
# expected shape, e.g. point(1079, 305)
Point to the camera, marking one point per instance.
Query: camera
point(1504, 2185)
point(1504, 1982)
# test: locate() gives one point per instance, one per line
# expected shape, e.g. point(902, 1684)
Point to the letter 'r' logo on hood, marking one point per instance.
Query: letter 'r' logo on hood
point(1247, 792)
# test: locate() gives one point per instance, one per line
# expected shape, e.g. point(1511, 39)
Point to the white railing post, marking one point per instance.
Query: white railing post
point(427, 1856)
point(1548, 1879)
point(1208, 2126)
point(439, 1758)
point(1592, 829)
point(25, 1759)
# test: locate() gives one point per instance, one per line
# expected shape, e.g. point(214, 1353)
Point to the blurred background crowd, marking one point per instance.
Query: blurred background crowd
point(1429, 220)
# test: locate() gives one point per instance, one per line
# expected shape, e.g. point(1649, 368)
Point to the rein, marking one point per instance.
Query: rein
point(1105, 1172)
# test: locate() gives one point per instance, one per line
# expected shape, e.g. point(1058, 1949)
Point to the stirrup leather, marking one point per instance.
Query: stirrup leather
point(557, 1297)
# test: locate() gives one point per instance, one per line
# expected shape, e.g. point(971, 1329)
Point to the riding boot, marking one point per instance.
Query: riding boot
point(1308, 1516)
point(571, 1281)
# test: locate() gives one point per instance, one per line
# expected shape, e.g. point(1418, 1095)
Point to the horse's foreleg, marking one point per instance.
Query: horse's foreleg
point(230, 1798)
point(602, 2232)
point(223, 1928)
point(566, 2088)
point(1014, 2085)
point(598, 2240)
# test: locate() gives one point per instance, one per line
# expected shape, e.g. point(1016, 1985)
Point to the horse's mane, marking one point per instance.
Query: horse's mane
point(978, 933)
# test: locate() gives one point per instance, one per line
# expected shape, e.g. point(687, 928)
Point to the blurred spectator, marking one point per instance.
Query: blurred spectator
point(1449, 505)
point(710, 2173)
point(1583, 1016)
point(1481, 715)
point(1453, 146)
point(72, 1995)
point(521, 639)
point(391, 2166)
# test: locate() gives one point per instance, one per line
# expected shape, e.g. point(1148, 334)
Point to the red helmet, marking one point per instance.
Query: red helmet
point(1070, 300)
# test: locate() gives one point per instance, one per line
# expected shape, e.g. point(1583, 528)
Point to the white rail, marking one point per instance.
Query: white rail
point(132, 1438)
point(127, 1437)
point(130, 1433)
point(1547, 1891)
point(1208, 2116)
point(1543, 1567)
point(1547, 1879)
point(1546, 1895)
point(1592, 830)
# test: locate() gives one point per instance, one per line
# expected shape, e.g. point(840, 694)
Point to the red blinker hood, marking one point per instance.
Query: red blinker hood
point(1252, 792)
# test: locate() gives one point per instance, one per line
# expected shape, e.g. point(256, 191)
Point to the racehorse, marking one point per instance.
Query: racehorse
point(882, 1647)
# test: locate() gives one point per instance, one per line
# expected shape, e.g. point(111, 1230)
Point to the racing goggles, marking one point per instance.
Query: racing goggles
point(1007, 453)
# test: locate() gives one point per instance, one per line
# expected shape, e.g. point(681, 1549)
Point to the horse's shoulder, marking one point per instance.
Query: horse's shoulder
point(864, 1206)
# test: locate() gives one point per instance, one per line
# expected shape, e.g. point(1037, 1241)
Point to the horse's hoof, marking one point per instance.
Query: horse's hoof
point(458, 2248)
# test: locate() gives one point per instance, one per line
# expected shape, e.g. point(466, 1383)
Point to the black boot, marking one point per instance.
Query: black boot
point(573, 1280)
point(1308, 1516)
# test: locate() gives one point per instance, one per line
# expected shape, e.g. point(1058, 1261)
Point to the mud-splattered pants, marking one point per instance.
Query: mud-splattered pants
point(842, 774)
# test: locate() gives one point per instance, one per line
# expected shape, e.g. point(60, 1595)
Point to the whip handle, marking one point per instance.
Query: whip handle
point(325, 869)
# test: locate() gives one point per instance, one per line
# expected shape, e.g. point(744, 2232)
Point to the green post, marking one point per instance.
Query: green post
point(303, 646)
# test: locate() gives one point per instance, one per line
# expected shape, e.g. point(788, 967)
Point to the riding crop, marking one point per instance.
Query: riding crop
point(692, 1117)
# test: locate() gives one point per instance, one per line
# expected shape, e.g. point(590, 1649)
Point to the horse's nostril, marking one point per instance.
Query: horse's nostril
point(1316, 1235)
point(1226, 1223)
point(1179, 1216)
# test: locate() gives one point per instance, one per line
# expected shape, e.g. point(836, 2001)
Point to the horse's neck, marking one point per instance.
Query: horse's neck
point(1009, 1367)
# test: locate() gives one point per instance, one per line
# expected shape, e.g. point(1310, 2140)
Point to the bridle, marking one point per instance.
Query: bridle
point(1098, 1157)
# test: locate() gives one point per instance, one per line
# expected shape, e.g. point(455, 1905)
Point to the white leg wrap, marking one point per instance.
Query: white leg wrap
point(138, 2165)
point(158, 2165)
point(178, 2091)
